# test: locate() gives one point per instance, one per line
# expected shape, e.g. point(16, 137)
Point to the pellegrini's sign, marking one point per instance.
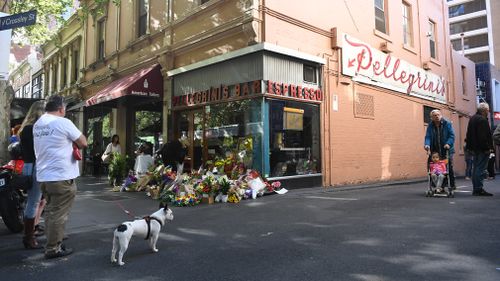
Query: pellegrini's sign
point(224, 93)
point(371, 66)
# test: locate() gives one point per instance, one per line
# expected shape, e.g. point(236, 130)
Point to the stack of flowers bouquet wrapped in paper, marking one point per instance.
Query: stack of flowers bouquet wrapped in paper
point(190, 189)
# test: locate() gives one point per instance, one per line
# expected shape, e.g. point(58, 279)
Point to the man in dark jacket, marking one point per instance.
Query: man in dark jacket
point(480, 142)
point(440, 137)
point(173, 153)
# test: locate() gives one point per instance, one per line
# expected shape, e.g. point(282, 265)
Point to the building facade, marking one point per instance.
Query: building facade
point(474, 30)
point(311, 96)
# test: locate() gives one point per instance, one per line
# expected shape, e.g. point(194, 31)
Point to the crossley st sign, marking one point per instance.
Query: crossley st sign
point(371, 66)
point(18, 20)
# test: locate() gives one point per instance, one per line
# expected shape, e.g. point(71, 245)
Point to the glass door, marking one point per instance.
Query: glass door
point(191, 125)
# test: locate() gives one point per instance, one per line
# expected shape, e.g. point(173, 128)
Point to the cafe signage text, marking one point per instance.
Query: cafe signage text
point(217, 94)
point(372, 66)
point(224, 93)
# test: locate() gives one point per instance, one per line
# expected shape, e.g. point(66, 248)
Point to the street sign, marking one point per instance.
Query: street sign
point(18, 20)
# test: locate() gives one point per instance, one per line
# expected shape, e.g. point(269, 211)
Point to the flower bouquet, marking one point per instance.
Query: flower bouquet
point(130, 183)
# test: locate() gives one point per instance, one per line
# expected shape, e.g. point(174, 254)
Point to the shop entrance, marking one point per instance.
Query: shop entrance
point(191, 125)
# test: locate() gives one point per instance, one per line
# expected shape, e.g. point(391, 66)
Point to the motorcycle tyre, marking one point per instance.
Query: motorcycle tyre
point(11, 212)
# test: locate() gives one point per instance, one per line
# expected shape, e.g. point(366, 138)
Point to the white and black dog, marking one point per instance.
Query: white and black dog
point(149, 228)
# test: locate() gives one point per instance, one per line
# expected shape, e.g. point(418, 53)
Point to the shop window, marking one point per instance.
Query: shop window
point(380, 16)
point(234, 133)
point(294, 138)
point(427, 114)
point(310, 74)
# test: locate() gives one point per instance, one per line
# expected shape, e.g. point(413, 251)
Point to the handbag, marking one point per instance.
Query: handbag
point(106, 157)
point(76, 152)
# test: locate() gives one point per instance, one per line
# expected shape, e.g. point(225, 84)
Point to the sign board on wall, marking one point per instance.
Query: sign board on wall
point(4, 51)
point(371, 66)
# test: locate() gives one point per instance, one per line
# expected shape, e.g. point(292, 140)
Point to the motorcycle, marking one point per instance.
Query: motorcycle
point(12, 198)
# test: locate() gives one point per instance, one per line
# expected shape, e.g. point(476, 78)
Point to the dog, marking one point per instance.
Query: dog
point(148, 228)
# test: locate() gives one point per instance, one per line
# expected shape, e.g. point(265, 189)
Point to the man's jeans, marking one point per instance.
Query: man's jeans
point(480, 163)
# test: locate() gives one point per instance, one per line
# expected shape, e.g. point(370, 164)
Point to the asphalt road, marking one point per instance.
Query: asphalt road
point(378, 233)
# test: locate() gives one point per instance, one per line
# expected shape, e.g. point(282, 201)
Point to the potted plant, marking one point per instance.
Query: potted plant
point(117, 169)
point(224, 186)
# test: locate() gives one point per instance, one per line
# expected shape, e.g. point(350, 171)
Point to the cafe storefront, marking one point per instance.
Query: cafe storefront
point(259, 106)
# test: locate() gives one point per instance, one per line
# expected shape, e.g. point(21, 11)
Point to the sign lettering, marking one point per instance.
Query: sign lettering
point(371, 65)
point(18, 20)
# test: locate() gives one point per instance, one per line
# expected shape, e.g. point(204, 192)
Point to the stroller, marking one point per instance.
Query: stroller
point(438, 174)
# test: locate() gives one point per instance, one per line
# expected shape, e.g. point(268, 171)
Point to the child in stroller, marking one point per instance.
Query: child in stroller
point(438, 171)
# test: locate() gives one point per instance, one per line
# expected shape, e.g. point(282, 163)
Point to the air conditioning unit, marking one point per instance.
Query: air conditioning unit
point(385, 47)
point(426, 65)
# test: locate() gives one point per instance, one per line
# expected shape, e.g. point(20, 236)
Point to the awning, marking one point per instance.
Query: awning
point(147, 82)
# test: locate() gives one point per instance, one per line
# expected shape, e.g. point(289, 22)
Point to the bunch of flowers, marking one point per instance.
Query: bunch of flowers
point(275, 185)
point(129, 183)
point(154, 191)
point(224, 184)
point(186, 200)
point(208, 185)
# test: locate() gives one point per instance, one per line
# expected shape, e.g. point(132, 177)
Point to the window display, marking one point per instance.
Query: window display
point(294, 138)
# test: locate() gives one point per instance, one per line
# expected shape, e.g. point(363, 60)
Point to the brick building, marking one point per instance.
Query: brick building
point(327, 93)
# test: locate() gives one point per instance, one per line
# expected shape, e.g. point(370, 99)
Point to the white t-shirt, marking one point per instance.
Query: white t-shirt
point(142, 163)
point(53, 138)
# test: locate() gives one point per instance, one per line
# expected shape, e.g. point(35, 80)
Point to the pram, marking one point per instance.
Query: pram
point(445, 188)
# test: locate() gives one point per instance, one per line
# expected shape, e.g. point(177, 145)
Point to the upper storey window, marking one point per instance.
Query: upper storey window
point(380, 16)
point(407, 25)
point(432, 39)
point(100, 39)
point(143, 18)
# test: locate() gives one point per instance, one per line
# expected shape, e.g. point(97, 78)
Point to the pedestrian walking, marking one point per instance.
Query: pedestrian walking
point(34, 203)
point(491, 161)
point(468, 161)
point(480, 142)
point(113, 147)
point(440, 138)
point(56, 170)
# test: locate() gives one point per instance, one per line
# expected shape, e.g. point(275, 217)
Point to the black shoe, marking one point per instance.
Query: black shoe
point(481, 193)
point(61, 253)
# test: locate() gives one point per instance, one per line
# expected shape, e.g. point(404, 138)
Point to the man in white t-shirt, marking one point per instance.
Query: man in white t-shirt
point(56, 170)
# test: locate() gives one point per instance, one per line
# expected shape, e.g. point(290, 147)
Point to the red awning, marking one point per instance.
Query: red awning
point(147, 82)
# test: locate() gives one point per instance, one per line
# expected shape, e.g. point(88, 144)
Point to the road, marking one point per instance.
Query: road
point(377, 233)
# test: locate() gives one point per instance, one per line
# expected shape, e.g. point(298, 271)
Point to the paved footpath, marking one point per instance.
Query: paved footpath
point(390, 232)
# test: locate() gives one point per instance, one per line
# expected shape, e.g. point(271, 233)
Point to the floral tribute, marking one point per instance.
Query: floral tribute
point(191, 189)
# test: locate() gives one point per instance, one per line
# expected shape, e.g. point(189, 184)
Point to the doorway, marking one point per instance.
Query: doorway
point(191, 125)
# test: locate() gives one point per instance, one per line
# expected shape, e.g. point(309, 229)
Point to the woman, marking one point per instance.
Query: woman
point(34, 204)
point(113, 147)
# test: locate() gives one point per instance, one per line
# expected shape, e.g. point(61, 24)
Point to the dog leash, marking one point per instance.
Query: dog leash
point(125, 211)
